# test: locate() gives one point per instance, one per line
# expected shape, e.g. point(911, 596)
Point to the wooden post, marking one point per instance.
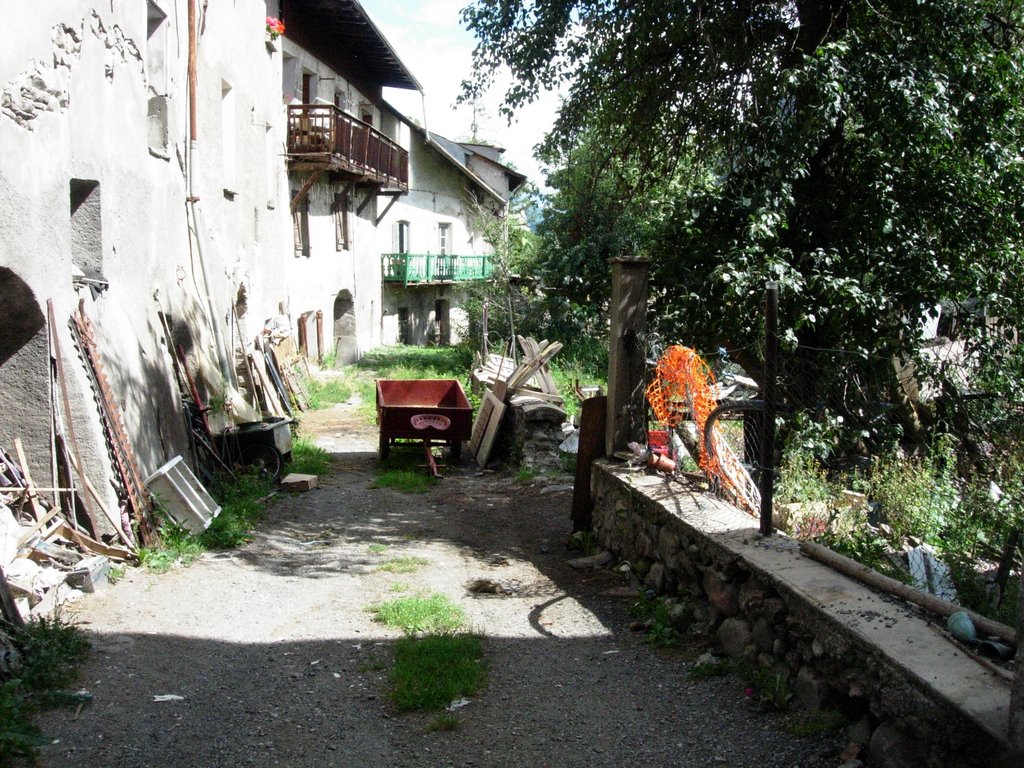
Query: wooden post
point(771, 352)
point(1017, 697)
point(594, 411)
point(627, 409)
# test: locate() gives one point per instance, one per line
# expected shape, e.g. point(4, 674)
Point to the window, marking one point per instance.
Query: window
point(156, 48)
point(402, 237)
point(86, 227)
point(444, 239)
point(300, 226)
point(340, 210)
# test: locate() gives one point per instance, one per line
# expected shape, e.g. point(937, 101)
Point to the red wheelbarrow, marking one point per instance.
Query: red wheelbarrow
point(423, 409)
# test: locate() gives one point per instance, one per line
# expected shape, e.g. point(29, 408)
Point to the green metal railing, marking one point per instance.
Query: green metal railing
point(411, 268)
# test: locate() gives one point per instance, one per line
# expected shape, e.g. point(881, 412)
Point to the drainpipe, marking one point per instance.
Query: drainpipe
point(193, 199)
point(423, 104)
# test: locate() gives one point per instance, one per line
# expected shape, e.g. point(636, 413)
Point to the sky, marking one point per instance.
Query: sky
point(430, 40)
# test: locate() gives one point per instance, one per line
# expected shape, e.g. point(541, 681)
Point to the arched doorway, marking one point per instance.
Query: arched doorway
point(24, 372)
point(346, 349)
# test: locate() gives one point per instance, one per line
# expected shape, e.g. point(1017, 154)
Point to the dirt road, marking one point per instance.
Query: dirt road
point(271, 658)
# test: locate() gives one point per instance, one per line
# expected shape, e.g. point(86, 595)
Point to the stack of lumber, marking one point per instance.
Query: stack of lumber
point(528, 386)
point(42, 544)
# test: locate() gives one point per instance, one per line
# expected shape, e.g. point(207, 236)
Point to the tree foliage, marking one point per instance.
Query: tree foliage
point(865, 155)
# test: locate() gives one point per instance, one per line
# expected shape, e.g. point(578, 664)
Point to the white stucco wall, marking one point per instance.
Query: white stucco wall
point(77, 82)
point(439, 193)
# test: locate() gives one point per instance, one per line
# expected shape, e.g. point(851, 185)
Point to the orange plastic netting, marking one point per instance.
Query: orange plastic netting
point(683, 388)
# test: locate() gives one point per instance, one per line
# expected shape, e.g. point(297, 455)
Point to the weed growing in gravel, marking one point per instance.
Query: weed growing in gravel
point(772, 689)
point(526, 475)
point(445, 722)
point(403, 564)
point(376, 549)
point(407, 481)
point(50, 652)
point(420, 614)
point(721, 668)
point(399, 586)
point(243, 503)
point(309, 458)
point(429, 672)
point(177, 545)
point(653, 613)
point(816, 723)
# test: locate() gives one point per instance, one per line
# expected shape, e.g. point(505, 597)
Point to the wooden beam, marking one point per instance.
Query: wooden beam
point(369, 196)
point(33, 497)
point(304, 189)
point(394, 199)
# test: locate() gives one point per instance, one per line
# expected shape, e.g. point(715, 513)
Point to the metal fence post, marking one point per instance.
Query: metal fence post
point(771, 351)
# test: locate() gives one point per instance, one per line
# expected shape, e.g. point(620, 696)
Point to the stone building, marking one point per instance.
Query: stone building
point(177, 216)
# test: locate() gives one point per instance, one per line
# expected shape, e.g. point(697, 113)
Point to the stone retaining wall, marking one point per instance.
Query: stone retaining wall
point(911, 697)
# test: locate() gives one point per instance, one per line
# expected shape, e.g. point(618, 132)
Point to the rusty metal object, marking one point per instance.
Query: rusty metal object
point(139, 502)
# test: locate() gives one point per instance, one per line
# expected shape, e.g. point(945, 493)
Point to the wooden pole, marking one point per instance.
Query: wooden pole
point(627, 409)
point(8, 607)
point(771, 351)
point(874, 579)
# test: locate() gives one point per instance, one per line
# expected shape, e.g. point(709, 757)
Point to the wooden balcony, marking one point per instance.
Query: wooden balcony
point(323, 138)
point(426, 268)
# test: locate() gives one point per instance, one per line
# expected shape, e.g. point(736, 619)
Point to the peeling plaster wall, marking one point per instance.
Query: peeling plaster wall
point(89, 91)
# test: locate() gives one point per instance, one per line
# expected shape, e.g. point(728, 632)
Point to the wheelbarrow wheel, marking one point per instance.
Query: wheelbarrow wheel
point(265, 459)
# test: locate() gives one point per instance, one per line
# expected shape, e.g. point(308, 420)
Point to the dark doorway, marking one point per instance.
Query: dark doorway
point(442, 323)
point(346, 349)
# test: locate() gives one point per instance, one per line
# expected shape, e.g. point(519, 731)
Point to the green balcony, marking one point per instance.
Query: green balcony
point(424, 268)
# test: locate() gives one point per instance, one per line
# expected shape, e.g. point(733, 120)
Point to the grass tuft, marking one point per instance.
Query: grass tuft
point(403, 564)
point(308, 458)
point(445, 722)
point(420, 614)
point(430, 672)
point(177, 545)
point(243, 504)
point(404, 480)
point(324, 394)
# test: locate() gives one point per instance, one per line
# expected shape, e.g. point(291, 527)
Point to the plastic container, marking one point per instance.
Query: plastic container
point(180, 494)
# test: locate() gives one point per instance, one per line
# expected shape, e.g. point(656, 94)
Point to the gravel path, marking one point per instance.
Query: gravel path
point(278, 662)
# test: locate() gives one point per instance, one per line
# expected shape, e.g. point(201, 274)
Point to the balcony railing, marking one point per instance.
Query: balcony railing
point(418, 268)
point(322, 136)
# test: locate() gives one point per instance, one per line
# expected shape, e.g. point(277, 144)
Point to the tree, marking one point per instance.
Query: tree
point(864, 155)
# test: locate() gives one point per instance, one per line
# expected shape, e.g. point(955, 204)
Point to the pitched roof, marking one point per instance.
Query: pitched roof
point(458, 154)
point(342, 34)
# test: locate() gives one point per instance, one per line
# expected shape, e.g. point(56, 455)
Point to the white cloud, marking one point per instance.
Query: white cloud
point(430, 41)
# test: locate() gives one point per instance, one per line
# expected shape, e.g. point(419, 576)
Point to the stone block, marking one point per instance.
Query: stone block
point(733, 636)
point(752, 595)
point(891, 747)
point(774, 610)
point(812, 689)
point(668, 545)
point(723, 596)
point(298, 482)
point(655, 578)
point(860, 731)
point(764, 636)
